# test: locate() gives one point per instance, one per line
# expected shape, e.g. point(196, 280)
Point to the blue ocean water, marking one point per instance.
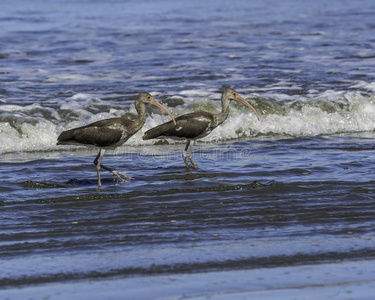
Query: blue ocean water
point(303, 173)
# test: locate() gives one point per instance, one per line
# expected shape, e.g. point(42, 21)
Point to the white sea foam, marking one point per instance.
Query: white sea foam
point(357, 115)
point(365, 85)
point(68, 77)
point(35, 127)
point(27, 137)
point(194, 93)
point(10, 107)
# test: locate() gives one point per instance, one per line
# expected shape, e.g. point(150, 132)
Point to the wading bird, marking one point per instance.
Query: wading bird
point(110, 133)
point(196, 125)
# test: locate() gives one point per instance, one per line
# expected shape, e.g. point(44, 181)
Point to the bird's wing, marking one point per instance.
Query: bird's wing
point(98, 134)
point(188, 126)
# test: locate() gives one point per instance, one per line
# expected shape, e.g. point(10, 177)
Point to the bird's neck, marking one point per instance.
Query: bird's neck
point(141, 120)
point(223, 115)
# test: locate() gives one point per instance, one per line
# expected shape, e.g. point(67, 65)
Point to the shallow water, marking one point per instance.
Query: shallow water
point(295, 188)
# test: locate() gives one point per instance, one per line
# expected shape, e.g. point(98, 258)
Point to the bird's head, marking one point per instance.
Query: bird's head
point(232, 94)
point(146, 98)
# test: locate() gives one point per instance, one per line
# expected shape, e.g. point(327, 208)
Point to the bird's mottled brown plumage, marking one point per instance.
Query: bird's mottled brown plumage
point(110, 133)
point(188, 126)
point(103, 134)
point(196, 125)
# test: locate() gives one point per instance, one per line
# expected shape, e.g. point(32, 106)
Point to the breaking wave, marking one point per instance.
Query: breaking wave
point(36, 127)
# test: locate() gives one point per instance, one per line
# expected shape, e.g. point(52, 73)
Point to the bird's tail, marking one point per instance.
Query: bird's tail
point(157, 131)
point(65, 137)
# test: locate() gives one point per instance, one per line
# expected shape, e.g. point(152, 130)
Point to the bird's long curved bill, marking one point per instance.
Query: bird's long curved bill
point(238, 98)
point(156, 103)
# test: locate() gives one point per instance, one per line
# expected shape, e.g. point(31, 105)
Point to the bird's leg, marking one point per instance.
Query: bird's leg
point(191, 155)
point(184, 154)
point(116, 175)
point(97, 163)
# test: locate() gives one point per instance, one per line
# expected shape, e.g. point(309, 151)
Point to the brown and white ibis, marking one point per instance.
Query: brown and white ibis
point(196, 125)
point(110, 133)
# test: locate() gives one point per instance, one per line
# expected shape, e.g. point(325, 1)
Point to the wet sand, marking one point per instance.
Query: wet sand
point(340, 280)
